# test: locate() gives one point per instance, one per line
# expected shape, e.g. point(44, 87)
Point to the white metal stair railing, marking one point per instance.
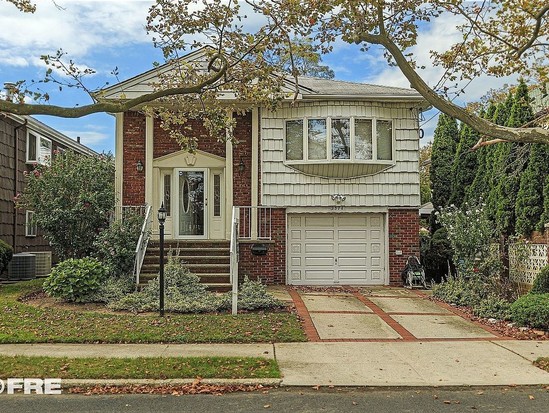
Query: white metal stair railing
point(255, 222)
point(234, 258)
point(142, 243)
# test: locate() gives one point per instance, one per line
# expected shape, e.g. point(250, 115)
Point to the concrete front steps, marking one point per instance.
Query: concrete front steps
point(208, 259)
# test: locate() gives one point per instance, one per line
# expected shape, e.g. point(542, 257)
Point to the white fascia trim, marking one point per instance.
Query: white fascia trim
point(329, 210)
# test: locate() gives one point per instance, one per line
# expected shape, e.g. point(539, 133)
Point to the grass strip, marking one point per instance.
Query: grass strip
point(139, 368)
point(24, 323)
point(542, 363)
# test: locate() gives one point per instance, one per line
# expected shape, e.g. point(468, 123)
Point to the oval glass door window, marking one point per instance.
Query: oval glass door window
point(185, 197)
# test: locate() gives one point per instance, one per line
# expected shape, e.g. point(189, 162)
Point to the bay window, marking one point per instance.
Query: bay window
point(339, 139)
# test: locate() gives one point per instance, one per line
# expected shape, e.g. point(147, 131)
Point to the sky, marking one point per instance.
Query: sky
point(105, 34)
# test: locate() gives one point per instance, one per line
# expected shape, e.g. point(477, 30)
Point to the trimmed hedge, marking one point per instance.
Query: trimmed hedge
point(531, 310)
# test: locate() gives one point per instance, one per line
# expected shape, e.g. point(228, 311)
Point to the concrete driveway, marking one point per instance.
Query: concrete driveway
point(397, 337)
point(382, 314)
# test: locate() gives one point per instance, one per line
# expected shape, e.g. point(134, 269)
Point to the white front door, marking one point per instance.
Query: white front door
point(336, 249)
point(191, 209)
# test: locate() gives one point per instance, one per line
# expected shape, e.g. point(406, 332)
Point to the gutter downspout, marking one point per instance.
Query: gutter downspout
point(15, 170)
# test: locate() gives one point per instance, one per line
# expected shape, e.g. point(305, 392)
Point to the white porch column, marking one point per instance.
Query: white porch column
point(255, 169)
point(118, 162)
point(228, 186)
point(149, 132)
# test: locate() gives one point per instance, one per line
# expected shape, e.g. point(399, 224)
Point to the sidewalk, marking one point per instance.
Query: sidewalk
point(470, 363)
point(363, 337)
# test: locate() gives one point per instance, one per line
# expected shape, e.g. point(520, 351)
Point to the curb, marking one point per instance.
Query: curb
point(68, 383)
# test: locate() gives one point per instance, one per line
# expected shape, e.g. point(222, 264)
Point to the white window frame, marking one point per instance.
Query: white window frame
point(31, 229)
point(352, 158)
point(39, 139)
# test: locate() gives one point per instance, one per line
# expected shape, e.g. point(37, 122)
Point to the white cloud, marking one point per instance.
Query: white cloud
point(78, 27)
point(440, 35)
point(90, 138)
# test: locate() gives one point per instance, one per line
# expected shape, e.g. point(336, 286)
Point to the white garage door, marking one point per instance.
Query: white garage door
point(328, 249)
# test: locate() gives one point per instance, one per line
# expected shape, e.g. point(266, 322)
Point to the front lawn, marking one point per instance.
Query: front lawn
point(139, 368)
point(24, 323)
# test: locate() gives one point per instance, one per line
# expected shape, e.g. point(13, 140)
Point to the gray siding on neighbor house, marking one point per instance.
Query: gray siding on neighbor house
point(397, 186)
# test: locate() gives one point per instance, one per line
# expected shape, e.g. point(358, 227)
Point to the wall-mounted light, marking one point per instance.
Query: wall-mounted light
point(241, 166)
point(338, 198)
point(139, 166)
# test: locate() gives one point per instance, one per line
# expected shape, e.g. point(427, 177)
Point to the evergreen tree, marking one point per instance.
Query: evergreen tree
point(529, 206)
point(496, 160)
point(465, 165)
point(512, 164)
point(479, 188)
point(545, 216)
point(445, 142)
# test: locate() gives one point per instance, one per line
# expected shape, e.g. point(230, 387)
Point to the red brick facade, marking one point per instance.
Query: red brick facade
point(403, 224)
point(134, 150)
point(270, 268)
point(403, 236)
point(133, 192)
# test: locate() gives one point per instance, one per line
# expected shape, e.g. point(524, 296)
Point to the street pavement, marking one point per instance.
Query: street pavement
point(302, 400)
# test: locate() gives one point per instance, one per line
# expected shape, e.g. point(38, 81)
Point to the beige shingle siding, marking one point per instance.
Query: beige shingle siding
point(397, 186)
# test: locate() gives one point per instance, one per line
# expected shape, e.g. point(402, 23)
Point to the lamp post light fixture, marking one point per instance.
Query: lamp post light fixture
point(161, 220)
point(139, 166)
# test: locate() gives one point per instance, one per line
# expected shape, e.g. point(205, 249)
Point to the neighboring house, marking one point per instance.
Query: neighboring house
point(335, 175)
point(25, 141)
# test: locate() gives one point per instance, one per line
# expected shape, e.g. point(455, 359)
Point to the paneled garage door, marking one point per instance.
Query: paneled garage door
point(336, 249)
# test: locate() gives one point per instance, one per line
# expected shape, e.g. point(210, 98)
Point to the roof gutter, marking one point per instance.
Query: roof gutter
point(392, 98)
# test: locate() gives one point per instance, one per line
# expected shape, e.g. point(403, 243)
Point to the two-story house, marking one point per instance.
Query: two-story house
point(25, 141)
point(328, 183)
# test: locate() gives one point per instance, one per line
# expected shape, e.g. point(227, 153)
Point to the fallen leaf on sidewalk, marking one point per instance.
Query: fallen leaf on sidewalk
point(267, 406)
point(316, 387)
point(531, 397)
point(355, 403)
point(480, 392)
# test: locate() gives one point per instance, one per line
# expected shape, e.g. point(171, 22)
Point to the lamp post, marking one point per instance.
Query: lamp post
point(161, 220)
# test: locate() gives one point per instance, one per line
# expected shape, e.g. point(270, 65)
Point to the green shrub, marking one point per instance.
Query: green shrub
point(253, 295)
point(71, 199)
point(458, 291)
point(492, 307)
point(115, 246)
point(185, 294)
point(541, 282)
point(76, 279)
point(531, 310)
point(436, 252)
point(114, 289)
point(6, 253)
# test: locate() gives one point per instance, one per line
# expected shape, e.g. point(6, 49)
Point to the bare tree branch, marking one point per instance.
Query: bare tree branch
point(118, 106)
